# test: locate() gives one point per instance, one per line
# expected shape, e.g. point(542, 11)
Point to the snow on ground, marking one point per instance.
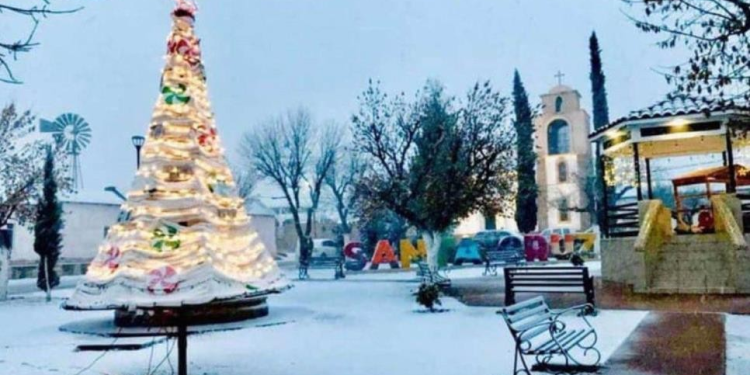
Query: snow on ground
point(738, 344)
point(23, 286)
point(347, 327)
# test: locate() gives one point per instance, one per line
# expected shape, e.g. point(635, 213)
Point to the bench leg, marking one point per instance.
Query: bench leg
point(525, 368)
point(339, 272)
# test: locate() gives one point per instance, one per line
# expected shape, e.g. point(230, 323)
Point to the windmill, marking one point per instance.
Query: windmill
point(72, 134)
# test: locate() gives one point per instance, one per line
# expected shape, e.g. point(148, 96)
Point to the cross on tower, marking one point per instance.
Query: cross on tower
point(559, 76)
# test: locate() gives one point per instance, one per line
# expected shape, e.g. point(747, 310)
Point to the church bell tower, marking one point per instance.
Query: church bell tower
point(564, 161)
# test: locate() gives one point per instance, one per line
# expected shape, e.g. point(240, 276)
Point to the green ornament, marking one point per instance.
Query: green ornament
point(174, 95)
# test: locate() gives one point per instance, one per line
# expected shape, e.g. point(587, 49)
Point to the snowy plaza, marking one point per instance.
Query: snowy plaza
point(398, 187)
point(366, 324)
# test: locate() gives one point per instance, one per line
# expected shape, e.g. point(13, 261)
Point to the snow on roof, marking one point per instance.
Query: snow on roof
point(255, 208)
point(680, 106)
point(93, 197)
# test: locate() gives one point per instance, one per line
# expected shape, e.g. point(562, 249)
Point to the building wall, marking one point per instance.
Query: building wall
point(265, 226)
point(83, 231)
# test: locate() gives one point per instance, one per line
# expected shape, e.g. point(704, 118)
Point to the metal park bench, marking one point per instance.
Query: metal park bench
point(539, 332)
point(429, 277)
point(324, 261)
point(495, 258)
point(548, 280)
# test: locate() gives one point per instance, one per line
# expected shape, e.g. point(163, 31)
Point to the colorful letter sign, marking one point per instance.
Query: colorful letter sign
point(383, 254)
point(408, 252)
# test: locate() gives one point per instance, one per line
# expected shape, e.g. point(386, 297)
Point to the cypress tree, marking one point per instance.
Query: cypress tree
point(47, 236)
point(526, 205)
point(601, 119)
point(598, 91)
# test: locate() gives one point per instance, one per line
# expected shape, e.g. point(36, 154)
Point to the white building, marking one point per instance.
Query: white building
point(87, 217)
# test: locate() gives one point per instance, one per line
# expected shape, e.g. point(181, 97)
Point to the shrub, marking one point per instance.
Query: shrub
point(428, 296)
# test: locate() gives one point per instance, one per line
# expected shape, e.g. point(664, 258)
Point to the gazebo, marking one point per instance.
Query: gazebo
point(640, 245)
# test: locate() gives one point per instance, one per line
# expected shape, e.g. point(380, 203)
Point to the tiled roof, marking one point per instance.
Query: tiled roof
point(679, 106)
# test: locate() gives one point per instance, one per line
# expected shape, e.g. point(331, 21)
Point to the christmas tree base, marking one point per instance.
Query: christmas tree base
point(212, 313)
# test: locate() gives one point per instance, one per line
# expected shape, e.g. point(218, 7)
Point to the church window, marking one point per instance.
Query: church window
point(562, 172)
point(558, 104)
point(563, 210)
point(558, 138)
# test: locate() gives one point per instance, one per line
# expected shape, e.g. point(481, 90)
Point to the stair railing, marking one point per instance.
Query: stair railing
point(725, 220)
point(655, 229)
point(728, 219)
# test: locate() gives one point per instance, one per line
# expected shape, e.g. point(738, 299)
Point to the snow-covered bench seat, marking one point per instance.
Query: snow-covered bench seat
point(555, 345)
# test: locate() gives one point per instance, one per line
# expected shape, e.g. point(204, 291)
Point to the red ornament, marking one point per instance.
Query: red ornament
point(187, 48)
point(162, 280)
point(112, 261)
point(207, 138)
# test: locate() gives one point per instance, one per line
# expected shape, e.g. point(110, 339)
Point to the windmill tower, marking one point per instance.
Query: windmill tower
point(71, 134)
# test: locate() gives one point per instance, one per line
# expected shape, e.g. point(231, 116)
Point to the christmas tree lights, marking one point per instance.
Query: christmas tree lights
point(183, 236)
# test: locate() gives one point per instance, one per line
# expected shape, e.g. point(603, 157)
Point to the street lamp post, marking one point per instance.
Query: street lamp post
point(138, 143)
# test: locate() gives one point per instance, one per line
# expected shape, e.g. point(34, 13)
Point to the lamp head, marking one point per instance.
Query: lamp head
point(138, 141)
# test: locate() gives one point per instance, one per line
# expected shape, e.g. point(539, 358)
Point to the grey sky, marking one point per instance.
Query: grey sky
point(263, 57)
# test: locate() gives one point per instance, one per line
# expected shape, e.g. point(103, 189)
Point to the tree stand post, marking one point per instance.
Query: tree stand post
point(181, 348)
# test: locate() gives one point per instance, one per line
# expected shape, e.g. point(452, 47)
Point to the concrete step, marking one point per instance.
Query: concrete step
point(662, 289)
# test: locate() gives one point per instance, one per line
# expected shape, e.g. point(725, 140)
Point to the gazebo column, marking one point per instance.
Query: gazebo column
point(730, 163)
point(604, 206)
point(648, 179)
point(636, 162)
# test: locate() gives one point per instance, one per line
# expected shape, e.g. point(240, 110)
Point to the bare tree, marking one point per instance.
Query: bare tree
point(9, 48)
point(716, 31)
point(246, 179)
point(291, 153)
point(345, 173)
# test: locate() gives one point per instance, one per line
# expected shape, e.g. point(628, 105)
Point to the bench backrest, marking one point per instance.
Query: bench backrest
point(524, 315)
point(548, 277)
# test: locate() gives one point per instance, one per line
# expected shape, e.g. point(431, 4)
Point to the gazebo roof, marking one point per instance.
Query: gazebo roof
point(678, 106)
point(713, 175)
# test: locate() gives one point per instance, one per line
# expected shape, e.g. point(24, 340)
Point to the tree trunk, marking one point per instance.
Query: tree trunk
point(46, 279)
point(4, 272)
point(432, 242)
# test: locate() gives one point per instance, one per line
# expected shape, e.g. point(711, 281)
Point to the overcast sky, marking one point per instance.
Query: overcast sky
point(263, 57)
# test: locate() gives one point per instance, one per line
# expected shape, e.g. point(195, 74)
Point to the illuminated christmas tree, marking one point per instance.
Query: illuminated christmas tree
point(183, 237)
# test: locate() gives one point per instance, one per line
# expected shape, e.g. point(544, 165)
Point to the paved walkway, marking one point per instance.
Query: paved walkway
point(672, 344)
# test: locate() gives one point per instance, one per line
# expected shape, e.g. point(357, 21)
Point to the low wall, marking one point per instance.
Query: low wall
point(621, 263)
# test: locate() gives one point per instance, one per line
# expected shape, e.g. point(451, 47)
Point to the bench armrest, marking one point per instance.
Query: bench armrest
point(580, 309)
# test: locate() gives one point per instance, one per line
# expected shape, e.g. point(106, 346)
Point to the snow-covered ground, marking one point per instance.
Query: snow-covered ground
point(738, 344)
point(354, 326)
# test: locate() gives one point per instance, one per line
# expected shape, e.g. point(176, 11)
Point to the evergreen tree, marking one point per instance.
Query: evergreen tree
point(598, 91)
point(526, 205)
point(48, 239)
point(601, 119)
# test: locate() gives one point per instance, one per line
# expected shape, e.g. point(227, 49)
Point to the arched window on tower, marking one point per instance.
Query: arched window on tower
point(562, 172)
point(558, 104)
point(558, 137)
